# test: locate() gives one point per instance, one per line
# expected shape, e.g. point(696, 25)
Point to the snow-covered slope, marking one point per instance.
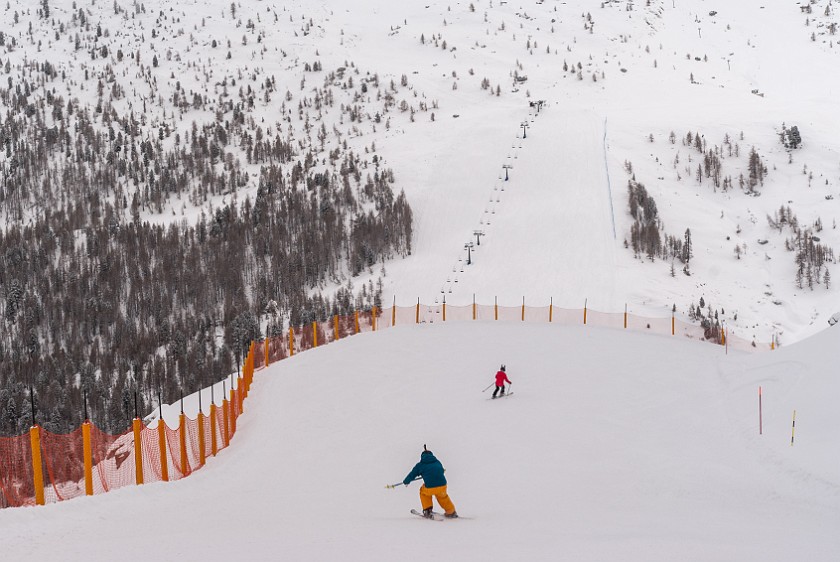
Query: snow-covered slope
point(615, 445)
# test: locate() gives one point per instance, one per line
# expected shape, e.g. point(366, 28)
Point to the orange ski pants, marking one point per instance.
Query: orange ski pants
point(439, 493)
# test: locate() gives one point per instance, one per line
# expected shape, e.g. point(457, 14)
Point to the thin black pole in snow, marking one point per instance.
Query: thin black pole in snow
point(135, 405)
point(84, 401)
point(760, 428)
point(182, 401)
point(32, 404)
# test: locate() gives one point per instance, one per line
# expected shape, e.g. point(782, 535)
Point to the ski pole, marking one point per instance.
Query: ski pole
point(392, 486)
point(491, 384)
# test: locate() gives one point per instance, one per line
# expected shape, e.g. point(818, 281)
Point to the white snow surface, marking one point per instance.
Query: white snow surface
point(615, 445)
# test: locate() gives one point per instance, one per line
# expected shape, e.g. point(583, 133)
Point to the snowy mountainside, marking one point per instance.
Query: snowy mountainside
point(224, 101)
point(716, 72)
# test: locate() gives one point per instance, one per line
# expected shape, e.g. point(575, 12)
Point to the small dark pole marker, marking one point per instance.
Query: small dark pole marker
point(84, 400)
point(32, 403)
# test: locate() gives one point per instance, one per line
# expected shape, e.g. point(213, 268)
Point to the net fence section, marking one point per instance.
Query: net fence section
point(16, 477)
point(113, 457)
point(550, 314)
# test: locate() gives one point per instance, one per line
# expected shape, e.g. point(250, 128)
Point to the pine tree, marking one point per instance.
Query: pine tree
point(687, 249)
point(794, 138)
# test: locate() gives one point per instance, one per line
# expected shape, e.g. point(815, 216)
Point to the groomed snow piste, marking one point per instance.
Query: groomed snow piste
point(615, 446)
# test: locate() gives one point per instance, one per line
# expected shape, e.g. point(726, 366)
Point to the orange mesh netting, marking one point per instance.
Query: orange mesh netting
point(151, 455)
point(64, 461)
point(173, 441)
point(16, 482)
point(113, 460)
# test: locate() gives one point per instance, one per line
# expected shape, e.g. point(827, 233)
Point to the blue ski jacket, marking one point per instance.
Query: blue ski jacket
point(430, 469)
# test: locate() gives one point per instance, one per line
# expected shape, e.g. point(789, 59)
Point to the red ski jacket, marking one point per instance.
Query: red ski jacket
point(501, 378)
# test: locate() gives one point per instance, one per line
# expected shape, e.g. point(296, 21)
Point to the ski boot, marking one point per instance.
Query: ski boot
point(453, 515)
point(427, 513)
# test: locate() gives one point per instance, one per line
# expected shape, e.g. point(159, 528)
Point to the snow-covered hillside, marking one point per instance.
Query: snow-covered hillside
point(614, 446)
point(624, 84)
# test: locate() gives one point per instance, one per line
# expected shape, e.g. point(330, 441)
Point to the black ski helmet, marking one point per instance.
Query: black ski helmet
point(503, 367)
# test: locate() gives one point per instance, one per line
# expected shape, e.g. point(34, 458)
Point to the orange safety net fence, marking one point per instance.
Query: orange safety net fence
point(64, 463)
point(112, 458)
point(16, 483)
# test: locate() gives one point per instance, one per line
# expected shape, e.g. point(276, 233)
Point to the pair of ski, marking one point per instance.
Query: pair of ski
point(502, 396)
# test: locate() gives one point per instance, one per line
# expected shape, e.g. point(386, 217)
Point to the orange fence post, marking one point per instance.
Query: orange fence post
point(37, 470)
point(625, 316)
point(183, 443)
point(394, 312)
point(248, 375)
point(523, 309)
point(584, 311)
point(550, 309)
point(337, 332)
point(88, 454)
point(417, 312)
point(232, 414)
point(225, 419)
point(314, 334)
point(137, 426)
point(495, 308)
point(267, 354)
point(473, 306)
point(164, 466)
point(291, 341)
point(356, 316)
point(214, 445)
point(673, 324)
point(444, 308)
point(373, 316)
point(202, 455)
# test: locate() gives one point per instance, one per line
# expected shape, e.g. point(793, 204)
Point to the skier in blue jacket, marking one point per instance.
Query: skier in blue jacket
point(434, 484)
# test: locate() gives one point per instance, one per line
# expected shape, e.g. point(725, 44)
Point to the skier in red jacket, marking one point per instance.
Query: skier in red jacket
point(501, 378)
